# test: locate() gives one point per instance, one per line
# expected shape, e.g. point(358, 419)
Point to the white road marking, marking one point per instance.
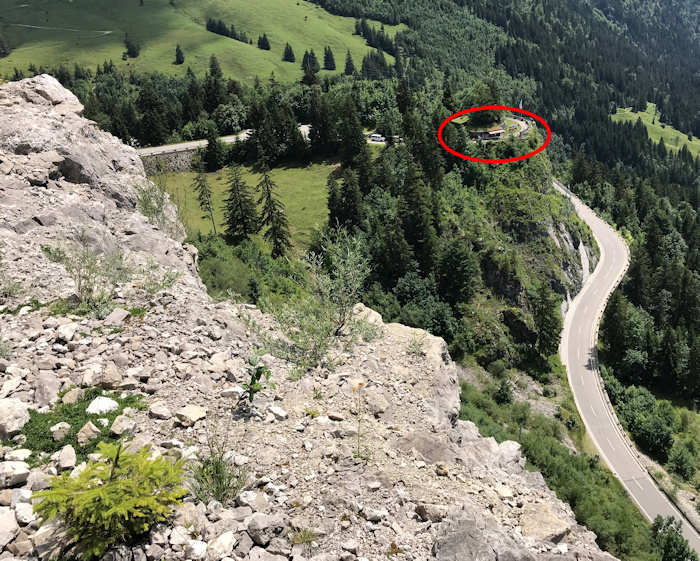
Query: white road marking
point(584, 311)
point(611, 446)
point(594, 413)
point(596, 292)
point(579, 330)
point(639, 484)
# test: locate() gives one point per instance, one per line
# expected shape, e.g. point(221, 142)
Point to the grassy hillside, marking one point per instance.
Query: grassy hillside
point(78, 35)
point(301, 189)
point(673, 138)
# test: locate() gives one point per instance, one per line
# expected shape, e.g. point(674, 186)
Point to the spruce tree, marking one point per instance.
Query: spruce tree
point(305, 60)
point(350, 213)
point(328, 59)
point(313, 61)
point(310, 76)
point(547, 320)
point(263, 43)
point(277, 233)
point(349, 65)
point(240, 212)
point(179, 55)
point(334, 202)
point(203, 190)
point(416, 212)
point(288, 54)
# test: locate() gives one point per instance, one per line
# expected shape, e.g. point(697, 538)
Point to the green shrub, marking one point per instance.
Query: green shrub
point(152, 280)
point(217, 477)
point(154, 203)
point(95, 276)
point(8, 287)
point(312, 323)
point(259, 375)
point(108, 502)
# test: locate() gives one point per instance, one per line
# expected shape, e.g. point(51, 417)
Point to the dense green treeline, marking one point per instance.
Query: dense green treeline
point(567, 61)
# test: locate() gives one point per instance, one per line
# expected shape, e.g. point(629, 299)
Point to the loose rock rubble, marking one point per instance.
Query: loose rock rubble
point(428, 486)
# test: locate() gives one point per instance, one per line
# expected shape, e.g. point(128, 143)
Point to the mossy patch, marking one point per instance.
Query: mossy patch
point(38, 433)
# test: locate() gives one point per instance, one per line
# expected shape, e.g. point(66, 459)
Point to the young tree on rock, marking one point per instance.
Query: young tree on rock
point(203, 190)
point(240, 212)
point(277, 233)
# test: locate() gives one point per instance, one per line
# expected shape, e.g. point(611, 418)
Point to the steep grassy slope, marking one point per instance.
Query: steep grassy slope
point(301, 189)
point(673, 139)
point(78, 29)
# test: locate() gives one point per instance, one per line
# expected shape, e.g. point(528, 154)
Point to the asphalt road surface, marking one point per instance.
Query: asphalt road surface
point(194, 144)
point(578, 354)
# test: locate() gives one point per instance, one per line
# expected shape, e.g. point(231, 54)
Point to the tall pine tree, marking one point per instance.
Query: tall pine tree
point(328, 59)
point(277, 233)
point(203, 190)
point(416, 212)
point(288, 55)
point(240, 212)
point(179, 55)
point(349, 65)
point(263, 43)
point(545, 311)
point(350, 208)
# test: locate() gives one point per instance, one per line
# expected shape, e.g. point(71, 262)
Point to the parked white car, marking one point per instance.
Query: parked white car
point(377, 138)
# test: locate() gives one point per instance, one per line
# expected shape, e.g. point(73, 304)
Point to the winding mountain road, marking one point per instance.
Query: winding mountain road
point(578, 353)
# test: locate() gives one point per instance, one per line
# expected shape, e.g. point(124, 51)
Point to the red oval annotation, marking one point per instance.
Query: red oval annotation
point(498, 108)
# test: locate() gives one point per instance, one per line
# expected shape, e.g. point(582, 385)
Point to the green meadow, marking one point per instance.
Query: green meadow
point(673, 139)
point(77, 35)
point(302, 190)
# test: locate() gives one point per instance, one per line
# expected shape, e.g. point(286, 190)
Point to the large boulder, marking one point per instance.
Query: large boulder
point(8, 526)
point(537, 520)
point(262, 527)
point(14, 415)
point(47, 387)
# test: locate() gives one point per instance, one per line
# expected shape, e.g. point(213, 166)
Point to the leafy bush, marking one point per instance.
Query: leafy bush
point(154, 203)
point(113, 500)
point(257, 373)
point(95, 276)
point(312, 323)
point(153, 281)
point(5, 350)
